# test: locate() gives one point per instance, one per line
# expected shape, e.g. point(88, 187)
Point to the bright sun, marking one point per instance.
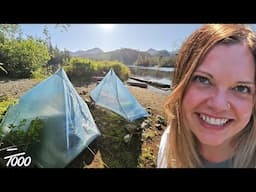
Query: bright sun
point(107, 27)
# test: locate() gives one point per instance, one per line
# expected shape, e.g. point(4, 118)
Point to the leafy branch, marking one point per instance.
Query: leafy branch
point(3, 68)
point(24, 138)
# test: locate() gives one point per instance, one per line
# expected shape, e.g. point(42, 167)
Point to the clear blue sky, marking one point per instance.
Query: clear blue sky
point(111, 37)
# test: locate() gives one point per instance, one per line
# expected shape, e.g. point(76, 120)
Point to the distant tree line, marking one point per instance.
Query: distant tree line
point(82, 70)
point(131, 57)
point(159, 61)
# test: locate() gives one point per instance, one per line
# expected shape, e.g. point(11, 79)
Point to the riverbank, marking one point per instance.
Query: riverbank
point(115, 148)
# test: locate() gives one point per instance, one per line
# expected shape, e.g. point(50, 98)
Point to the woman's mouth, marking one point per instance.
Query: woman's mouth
point(213, 122)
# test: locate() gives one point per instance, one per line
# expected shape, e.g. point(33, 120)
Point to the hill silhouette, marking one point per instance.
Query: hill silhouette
point(151, 57)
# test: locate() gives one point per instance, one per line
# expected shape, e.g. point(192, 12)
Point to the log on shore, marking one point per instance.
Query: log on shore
point(161, 85)
point(152, 83)
point(97, 78)
point(138, 84)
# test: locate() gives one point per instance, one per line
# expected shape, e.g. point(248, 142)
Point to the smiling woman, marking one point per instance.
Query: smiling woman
point(107, 27)
point(212, 121)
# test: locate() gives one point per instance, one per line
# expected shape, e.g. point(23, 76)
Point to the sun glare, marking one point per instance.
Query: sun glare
point(107, 27)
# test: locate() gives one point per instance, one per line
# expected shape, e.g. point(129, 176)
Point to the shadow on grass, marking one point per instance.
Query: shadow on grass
point(85, 157)
point(114, 151)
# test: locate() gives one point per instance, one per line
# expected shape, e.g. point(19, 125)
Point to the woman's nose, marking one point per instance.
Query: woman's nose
point(218, 101)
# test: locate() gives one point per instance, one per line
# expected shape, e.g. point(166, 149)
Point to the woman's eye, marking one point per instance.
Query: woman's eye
point(242, 89)
point(202, 79)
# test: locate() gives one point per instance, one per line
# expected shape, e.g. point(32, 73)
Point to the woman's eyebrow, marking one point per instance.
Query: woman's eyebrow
point(246, 82)
point(238, 82)
point(204, 72)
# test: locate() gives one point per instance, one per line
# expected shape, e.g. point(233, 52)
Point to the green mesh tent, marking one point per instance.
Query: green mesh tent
point(69, 126)
point(112, 94)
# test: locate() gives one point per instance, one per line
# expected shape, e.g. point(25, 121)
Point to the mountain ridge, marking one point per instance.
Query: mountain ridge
point(127, 56)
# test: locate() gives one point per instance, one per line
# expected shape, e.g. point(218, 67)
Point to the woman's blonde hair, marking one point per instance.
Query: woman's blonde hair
point(182, 146)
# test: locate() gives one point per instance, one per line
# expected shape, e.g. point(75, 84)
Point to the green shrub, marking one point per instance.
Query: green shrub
point(84, 69)
point(4, 104)
point(22, 138)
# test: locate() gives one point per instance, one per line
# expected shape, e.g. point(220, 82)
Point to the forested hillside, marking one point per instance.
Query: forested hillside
point(127, 56)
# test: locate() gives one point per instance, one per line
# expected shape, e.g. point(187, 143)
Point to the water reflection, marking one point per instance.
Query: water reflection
point(158, 74)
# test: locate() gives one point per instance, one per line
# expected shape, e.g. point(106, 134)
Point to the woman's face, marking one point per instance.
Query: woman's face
point(219, 99)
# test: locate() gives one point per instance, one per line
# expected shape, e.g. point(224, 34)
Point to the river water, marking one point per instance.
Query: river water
point(159, 74)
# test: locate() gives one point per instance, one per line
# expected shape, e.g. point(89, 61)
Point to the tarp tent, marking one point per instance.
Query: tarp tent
point(69, 125)
point(112, 94)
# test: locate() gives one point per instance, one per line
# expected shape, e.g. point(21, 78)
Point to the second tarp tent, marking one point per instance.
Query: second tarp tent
point(111, 93)
point(68, 124)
